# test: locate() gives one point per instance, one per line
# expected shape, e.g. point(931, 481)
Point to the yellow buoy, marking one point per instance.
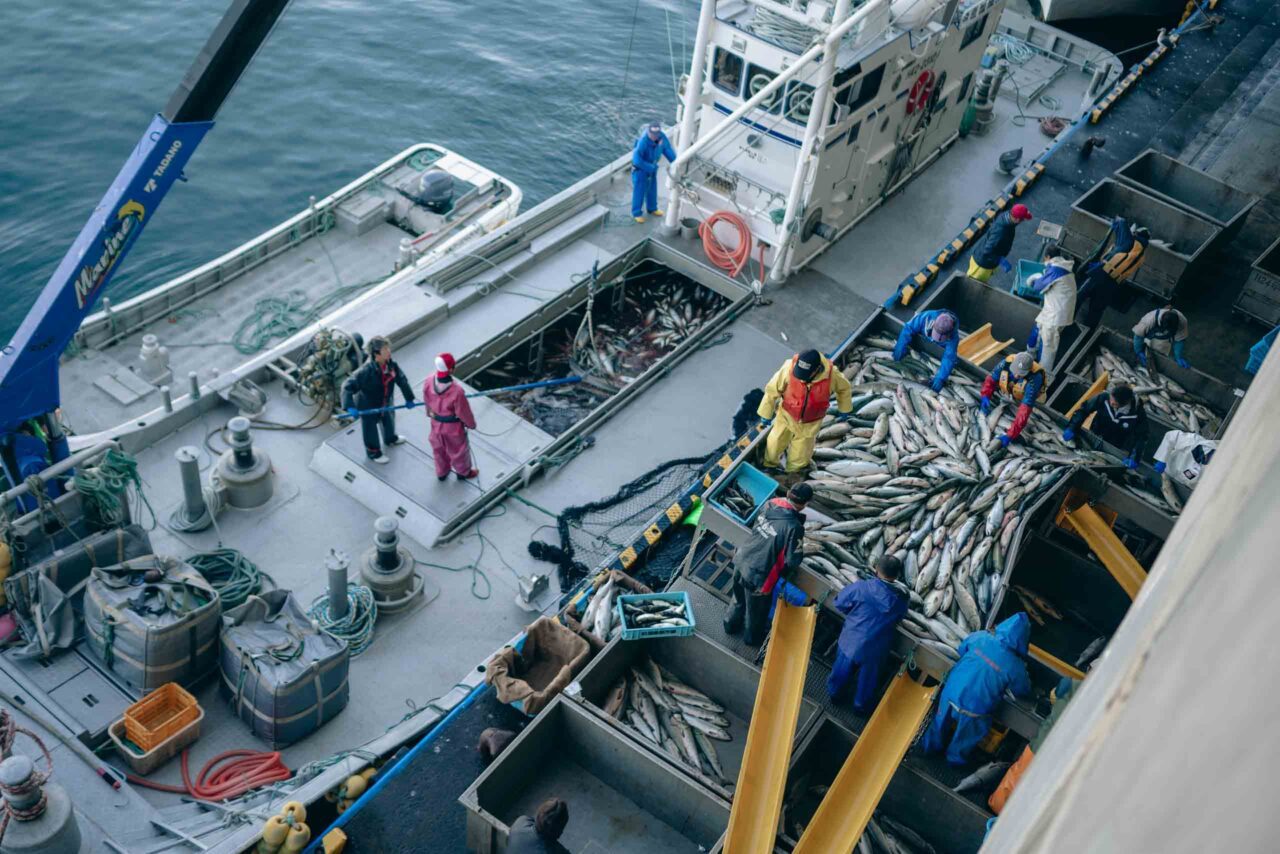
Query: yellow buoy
point(274, 833)
point(299, 836)
point(294, 812)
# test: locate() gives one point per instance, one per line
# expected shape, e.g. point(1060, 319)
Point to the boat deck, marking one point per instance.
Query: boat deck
point(423, 653)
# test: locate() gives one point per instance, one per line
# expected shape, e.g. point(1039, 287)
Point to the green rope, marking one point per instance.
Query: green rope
point(105, 485)
point(280, 317)
point(356, 628)
point(231, 574)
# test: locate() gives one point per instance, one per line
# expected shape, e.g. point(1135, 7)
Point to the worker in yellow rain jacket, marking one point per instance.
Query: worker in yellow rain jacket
point(796, 401)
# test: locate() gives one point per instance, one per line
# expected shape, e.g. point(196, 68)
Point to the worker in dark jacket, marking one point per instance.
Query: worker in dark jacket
point(1118, 419)
point(871, 608)
point(941, 327)
point(990, 663)
point(768, 559)
point(649, 150)
point(372, 386)
point(540, 834)
point(1118, 258)
point(993, 249)
point(1018, 378)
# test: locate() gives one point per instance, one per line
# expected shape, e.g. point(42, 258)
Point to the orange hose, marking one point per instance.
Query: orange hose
point(243, 770)
point(730, 260)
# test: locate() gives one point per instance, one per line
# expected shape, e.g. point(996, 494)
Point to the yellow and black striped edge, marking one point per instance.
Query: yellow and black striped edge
point(671, 516)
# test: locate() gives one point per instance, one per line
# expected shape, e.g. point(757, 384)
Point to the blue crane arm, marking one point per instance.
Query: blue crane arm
point(29, 364)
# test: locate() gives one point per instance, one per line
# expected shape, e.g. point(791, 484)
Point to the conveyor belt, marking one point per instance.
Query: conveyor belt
point(753, 821)
point(852, 799)
point(1107, 546)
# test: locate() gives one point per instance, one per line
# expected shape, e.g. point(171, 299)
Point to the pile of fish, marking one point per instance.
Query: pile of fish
point(737, 499)
point(679, 719)
point(1166, 399)
point(920, 474)
point(882, 836)
point(654, 613)
point(600, 617)
point(610, 348)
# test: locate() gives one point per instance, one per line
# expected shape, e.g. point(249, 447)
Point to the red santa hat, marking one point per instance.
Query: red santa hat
point(444, 365)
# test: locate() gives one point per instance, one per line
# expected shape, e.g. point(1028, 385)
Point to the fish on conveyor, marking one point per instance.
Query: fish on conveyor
point(984, 779)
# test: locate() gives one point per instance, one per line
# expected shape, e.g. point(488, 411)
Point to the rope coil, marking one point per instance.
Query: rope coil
point(356, 628)
point(9, 731)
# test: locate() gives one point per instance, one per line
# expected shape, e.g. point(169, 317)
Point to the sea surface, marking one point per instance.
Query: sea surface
point(541, 91)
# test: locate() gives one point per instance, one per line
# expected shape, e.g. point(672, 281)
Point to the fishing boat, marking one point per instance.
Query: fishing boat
point(835, 163)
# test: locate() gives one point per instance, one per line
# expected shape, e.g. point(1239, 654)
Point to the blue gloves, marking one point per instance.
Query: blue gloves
point(985, 404)
point(1160, 466)
point(765, 423)
point(1142, 359)
point(1005, 440)
point(938, 383)
point(1131, 463)
point(1005, 265)
point(898, 352)
point(353, 412)
point(1182, 363)
point(410, 404)
point(1068, 434)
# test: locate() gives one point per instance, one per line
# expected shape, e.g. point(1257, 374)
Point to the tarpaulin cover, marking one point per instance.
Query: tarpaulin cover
point(552, 656)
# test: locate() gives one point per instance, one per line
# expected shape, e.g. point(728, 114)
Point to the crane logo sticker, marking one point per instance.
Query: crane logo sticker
point(91, 277)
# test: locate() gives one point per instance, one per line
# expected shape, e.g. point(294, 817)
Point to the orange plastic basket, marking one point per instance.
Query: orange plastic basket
point(160, 715)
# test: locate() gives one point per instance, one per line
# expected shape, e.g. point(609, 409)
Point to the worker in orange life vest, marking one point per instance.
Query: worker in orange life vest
point(796, 401)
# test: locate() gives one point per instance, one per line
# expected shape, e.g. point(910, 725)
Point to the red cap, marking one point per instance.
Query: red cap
point(1020, 213)
point(444, 365)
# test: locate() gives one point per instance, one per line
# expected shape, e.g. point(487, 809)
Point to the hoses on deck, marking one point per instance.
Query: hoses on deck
point(730, 260)
point(225, 776)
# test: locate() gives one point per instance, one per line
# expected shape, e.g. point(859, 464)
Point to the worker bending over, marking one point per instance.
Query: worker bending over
point(451, 418)
point(1183, 456)
point(540, 834)
point(1164, 330)
point(1057, 287)
point(769, 559)
point(990, 663)
point(796, 401)
point(872, 608)
point(1118, 258)
point(993, 249)
point(373, 387)
point(939, 326)
point(650, 148)
point(1118, 419)
point(1018, 378)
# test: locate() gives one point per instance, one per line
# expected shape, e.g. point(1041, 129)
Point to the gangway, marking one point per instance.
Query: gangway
point(1104, 543)
point(849, 804)
point(757, 803)
point(1051, 661)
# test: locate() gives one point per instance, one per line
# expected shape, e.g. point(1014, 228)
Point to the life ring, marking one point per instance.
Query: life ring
point(920, 91)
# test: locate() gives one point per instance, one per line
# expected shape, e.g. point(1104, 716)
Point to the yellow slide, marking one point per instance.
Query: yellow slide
point(1107, 546)
point(852, 799)
point(757, 802)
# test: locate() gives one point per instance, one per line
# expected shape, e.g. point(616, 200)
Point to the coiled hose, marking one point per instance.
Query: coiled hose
point(225, 776)
point(730, 260)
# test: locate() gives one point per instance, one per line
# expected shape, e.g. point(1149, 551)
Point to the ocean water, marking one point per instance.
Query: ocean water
point(541, 91)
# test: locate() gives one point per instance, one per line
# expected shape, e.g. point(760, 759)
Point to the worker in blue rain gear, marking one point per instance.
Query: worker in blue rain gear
point(650, 148)
point(990, 663)
point(939, 326)
point(872, 608)
point(1164, 330)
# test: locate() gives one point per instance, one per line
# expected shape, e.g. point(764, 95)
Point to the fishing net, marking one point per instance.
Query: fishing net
point(591, 533)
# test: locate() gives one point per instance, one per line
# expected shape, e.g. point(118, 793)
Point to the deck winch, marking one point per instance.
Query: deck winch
point(244, 472)
point(388, 568)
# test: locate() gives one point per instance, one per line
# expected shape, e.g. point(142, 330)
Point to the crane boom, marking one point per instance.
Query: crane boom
point(29, 364)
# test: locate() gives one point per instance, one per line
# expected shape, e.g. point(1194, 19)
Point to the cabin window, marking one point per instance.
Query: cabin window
point(757, 79)
point(861, 92)
point(799, 102)
point(726, 73)
point(853, 132)
point(974, 32)
point(964, 88)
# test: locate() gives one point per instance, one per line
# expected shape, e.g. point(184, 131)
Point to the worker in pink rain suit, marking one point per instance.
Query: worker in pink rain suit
point(451, 418)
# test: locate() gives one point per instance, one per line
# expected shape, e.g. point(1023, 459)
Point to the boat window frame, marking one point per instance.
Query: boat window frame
point(752, 68)
point(974, 31)
point(715, 70)
point(858, 89)
point(964, 88)
point(790, 90)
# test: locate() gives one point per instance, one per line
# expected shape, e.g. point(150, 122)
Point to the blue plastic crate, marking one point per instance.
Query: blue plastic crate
point(752, 481)
point(629, 634)
point(1026, 269)
point(1258, 352)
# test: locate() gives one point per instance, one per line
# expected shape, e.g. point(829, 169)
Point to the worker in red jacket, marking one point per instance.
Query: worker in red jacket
point(1018, 378)
point(451, 418)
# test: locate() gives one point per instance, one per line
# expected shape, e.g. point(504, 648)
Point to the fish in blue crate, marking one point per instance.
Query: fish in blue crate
point(655, 613)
